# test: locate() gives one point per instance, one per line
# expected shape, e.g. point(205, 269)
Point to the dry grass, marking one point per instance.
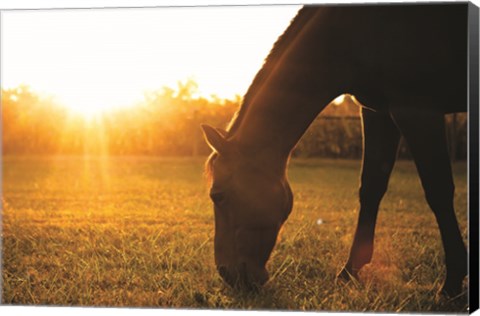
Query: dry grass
point(139, 232)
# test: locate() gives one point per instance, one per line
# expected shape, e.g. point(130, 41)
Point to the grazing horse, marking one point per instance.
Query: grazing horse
point(407, 64)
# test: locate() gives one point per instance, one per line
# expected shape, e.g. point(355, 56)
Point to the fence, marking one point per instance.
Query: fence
point(341, 137)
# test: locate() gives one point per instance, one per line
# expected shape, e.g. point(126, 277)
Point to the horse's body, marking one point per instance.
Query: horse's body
point(406, 63)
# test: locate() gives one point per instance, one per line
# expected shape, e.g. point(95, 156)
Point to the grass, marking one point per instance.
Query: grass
point(138, 232)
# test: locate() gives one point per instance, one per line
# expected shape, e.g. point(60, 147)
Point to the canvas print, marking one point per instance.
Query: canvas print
point(292, 158)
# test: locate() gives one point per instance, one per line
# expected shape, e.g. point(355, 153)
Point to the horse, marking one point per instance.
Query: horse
point(407, 67)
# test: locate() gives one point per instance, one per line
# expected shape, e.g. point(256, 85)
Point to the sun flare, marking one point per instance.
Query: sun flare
point(93, 101)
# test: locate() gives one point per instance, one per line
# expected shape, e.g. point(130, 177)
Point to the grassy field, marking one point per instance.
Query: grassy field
point(139, 232)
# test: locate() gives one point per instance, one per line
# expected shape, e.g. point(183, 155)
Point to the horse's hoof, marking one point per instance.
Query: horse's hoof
point(347, 275)
point(452, 288)
point(450, 291)
point(449, 295)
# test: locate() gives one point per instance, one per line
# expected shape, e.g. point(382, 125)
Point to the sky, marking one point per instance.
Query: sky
point(95, 59)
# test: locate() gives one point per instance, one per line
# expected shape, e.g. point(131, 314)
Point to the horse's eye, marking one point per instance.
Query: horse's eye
point(217, 197)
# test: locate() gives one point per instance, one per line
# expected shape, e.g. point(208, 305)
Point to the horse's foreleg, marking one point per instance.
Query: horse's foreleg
point(425, 134)
point(380, 143)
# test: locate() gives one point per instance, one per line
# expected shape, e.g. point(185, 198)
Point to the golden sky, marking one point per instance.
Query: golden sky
point(95, 59)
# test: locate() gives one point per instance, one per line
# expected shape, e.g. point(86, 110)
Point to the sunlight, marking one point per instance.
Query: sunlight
point(93, 61)
point(339, 100)
point(96, 167)
point(93, 101)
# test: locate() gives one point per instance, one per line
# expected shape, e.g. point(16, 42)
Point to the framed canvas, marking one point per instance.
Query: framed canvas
point(206, 157)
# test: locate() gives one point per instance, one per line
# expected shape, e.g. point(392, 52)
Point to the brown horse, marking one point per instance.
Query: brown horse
point(406, 63)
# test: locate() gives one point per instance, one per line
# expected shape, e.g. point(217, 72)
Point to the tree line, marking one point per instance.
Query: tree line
point(167, 123)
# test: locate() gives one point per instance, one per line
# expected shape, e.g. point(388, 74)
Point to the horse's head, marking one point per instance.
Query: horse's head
point(250, 204)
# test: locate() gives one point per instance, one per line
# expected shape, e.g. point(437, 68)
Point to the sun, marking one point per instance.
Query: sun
point(93, 100)
point(86, 107)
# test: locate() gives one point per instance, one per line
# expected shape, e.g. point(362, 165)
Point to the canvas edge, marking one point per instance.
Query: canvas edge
point(473, 112)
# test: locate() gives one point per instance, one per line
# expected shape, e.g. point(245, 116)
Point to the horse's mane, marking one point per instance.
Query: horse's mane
point(275, 54)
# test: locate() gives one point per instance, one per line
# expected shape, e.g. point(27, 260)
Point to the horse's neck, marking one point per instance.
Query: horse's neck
point(290, 98)
point(277, 124)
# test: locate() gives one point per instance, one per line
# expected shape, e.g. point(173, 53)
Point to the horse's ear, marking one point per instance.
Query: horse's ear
point(215, 139)
point(222, 132)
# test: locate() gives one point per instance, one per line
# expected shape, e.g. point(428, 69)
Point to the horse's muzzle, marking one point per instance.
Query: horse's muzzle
point(243, 277)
